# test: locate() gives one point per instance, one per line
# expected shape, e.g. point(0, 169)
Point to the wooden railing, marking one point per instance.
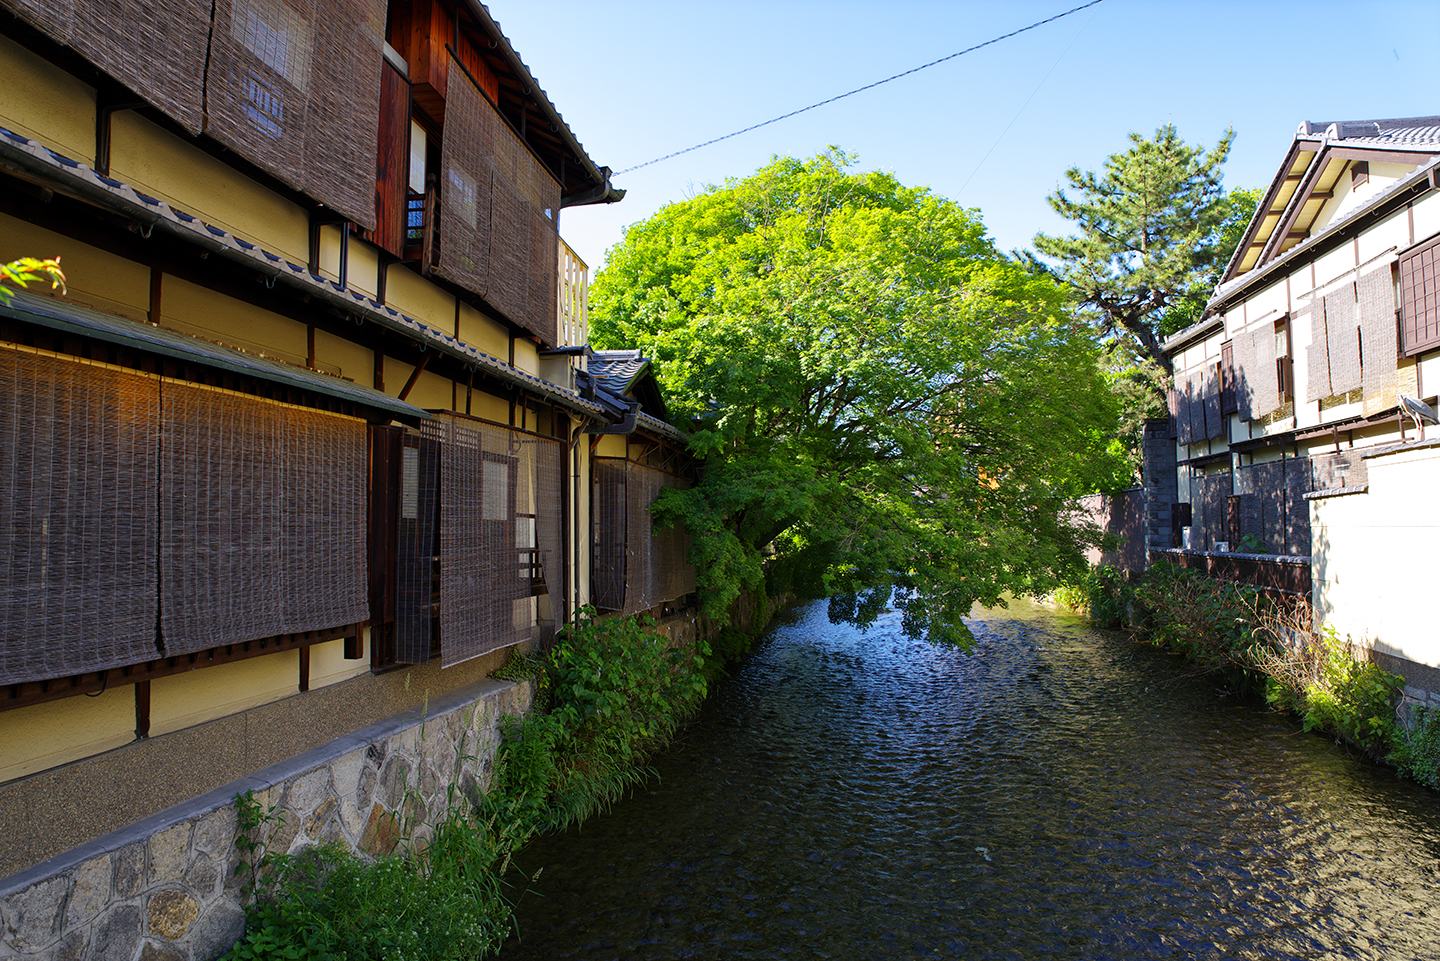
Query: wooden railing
point(573, 302)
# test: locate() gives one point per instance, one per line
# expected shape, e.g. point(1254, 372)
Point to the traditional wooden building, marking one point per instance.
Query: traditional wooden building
point(1293, 459)
point(310, 438)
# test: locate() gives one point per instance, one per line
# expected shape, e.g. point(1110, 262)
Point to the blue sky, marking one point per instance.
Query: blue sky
point(995, 129)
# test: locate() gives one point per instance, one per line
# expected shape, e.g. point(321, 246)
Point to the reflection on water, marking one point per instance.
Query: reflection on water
point(1057, 793)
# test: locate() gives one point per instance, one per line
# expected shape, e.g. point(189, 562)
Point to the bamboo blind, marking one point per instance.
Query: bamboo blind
point(500, 514)
point(78, 471)
point(495, 236)
point(609, 504)
point(657, 568)
point(465, 185)
point(415, 551)
point(262, 511)
point(294, 86)
point(157, 49)
point(1375, 292)
point(1214, 418)
point(1342, 340)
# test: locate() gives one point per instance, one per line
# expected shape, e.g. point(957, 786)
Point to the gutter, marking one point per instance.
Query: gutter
point(34, 161)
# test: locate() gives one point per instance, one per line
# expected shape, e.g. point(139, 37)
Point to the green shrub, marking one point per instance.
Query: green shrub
point(1101, 593)
point(1352, 697)
point(1416, 752)
point(1208, 620)
point(329, 904)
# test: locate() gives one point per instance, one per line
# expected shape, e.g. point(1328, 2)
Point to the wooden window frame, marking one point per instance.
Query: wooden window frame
point(1419, 270)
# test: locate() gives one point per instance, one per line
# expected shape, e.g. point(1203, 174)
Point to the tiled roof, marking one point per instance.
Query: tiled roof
point(1403, 133)
point(74, 178)
point(618, 369)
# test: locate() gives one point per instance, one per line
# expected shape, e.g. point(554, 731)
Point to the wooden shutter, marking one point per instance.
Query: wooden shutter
point(1229, 401)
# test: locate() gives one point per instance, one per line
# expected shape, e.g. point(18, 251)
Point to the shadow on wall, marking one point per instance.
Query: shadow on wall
point(1121, 518)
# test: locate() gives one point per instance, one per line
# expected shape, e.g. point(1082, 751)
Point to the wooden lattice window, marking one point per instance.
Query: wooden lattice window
point(1420, 298)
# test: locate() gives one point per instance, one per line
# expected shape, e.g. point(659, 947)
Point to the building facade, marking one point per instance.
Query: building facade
point(1290, 443)
point(311, 440)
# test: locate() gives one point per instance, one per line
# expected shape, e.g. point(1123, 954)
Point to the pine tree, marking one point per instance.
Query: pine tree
point(1152, 237)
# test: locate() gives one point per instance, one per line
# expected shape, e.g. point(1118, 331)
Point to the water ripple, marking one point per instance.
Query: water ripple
point(1057, 793)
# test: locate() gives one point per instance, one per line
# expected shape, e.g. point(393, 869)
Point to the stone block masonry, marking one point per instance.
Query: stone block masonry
point(166, 888)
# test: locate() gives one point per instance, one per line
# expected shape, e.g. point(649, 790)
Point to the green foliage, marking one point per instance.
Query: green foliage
point(329, 904)
point(25, 271)
point(883, 401)
point(1416, 750)
point(1351, 697)
point(1212, 622)
point(618, 690)
point(1152, 233)
point(1271, 646)
point(1100, 593)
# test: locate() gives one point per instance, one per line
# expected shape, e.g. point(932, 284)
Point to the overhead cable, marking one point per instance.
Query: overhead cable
point(868, 86)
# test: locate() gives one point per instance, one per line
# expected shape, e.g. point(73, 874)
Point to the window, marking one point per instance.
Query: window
point(1420, 298)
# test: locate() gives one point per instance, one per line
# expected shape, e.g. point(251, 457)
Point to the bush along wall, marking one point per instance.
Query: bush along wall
point(1271, 647)
point(608, 693)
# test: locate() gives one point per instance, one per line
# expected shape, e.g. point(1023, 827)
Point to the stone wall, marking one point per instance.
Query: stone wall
point(165, 888)
point(1158, 478)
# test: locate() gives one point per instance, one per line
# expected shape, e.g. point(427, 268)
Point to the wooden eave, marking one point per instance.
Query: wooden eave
point(526, 107)
point(1298, 194)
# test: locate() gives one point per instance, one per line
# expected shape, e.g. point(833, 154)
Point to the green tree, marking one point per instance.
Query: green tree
point(1155, 229)
point(22, 272)
point(881, 399)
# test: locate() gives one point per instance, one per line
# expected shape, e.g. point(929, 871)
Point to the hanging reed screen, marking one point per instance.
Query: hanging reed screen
point(636, 565)
point(262, 511)
point(78, 472)
point(415, 553)
point(157, 49)
point(500, 511)
point(496, 238)
point(294, 86)
point(465, 184)
point(608, 576)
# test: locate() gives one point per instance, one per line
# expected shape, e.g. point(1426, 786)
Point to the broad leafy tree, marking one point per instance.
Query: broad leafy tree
point(882, 400)
point(1155, 228)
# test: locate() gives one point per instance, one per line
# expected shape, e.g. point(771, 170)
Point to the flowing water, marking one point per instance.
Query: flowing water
point(1061, 792)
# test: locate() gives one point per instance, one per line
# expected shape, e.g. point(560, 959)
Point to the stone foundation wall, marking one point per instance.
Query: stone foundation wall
point(166, 889)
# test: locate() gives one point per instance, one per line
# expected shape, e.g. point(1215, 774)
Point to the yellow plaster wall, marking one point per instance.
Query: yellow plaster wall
point(611, 445)
point(46, 104)
point(184, 700)
point(483, 333)
point(490, 407)
point(57, 732)
point(94, 278)
point(345, 358)
point(329, 666)
point(431, 391)
point(1391, 233)
point(1381, 602)
point(527, 356)
point(194, 310)
point(149, 159)
point(1331, 265)
point(411, 294)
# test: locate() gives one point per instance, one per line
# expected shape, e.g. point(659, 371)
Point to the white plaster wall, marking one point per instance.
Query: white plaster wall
point(1373, 557)
point(1426, 212)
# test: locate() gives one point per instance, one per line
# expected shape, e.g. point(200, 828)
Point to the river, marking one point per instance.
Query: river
point(1060, 792)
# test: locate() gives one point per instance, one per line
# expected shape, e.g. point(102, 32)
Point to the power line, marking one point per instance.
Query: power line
point(1025, 104)
point(868, 86)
